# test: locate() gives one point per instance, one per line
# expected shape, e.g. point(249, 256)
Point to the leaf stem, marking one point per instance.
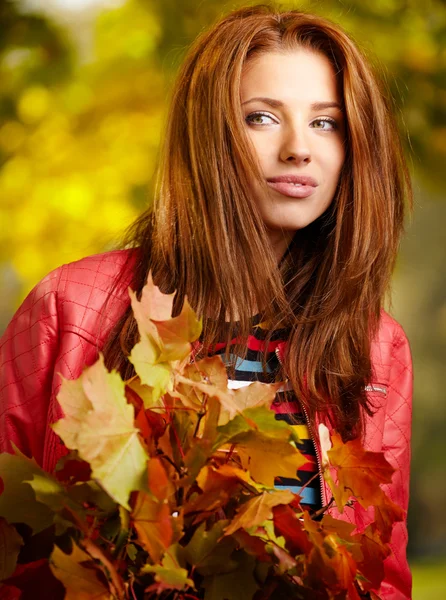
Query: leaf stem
point(97, 553)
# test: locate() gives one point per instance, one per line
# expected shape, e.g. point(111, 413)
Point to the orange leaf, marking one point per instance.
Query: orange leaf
point(360, 472)
point(374, 552)
point(159, 483)
point(386, 514)
point(287, 523)
point(153, 524)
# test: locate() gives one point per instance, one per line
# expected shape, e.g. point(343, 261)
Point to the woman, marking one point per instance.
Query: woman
point(278, 210)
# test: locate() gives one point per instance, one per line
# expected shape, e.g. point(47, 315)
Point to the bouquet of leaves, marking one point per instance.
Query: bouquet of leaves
point(168, 491)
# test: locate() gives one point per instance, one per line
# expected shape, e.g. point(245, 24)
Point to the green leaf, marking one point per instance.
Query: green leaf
point(10, 544)
point(254, 419)
point(80, 582)
point(49, 491)
point(209, 552)
point(18, 502)
point(106, 436)
point(93, 493)
point(132, 551)
point(238, 584)
point(170, 578)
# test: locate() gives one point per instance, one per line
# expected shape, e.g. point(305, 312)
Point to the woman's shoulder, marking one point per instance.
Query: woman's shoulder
point(72, 296)
point(390, 330)
point(390, 347)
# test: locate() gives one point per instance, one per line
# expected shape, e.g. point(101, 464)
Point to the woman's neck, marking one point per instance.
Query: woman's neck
point(280, 240)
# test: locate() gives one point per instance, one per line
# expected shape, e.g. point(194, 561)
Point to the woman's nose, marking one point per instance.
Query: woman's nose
point(295, 146)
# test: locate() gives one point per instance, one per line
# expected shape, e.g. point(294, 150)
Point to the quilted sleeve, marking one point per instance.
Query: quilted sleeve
point(28, 351)
point(397, 583)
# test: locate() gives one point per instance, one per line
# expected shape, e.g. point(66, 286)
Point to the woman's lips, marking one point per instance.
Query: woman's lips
point(292, 190)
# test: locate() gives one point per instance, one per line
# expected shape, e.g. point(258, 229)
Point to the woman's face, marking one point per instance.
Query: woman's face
point(293, 116)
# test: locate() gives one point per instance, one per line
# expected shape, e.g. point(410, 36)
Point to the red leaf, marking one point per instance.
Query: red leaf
point(71, 469)
point(287, 524)
point(36, 582)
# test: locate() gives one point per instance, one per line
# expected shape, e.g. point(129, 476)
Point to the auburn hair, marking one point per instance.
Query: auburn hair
point(204, 236)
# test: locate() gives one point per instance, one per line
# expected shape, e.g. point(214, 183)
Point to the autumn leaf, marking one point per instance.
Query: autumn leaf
point(153, 523)
point(70, 469)
point(81, 581)
point(10, 545)
point(386, 514)
point(252, 544)
point(168, 578)
point(218, 485)
point(256, 394)
point(145, 355)
point(255, 450)
point(159, 485)
point(103, 432)
point(374, 552)
point(258, 418)
point(258, 509)
point(154, 305)
point(35, 581)
point(177, 333)
point(360, 472)
point(288, 524)
point(157, 376)
point(18, 501)
point(208, 553)
point(238, 584)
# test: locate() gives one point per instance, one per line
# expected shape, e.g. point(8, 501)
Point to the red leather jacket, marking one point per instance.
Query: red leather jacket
point(59, 329)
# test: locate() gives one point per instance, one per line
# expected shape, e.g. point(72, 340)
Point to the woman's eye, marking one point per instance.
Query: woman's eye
point(325, 124)
point(256, 118)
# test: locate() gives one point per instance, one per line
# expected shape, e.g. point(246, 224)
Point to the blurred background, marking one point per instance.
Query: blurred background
point(83, 98)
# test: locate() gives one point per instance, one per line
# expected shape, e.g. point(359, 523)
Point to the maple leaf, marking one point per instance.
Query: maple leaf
point(177, 333)
point(288, 524)
point(167, 578)
point(386, 514)
point(78, 574)
point(145, 355)
point(153, 523)
point(208, 553)
point(330, 560)
point(374, 552)
point(360, 472)
point(35, 581)
point(258, 509)
point(101, 428)
point(154, 305)
point(238, 584)
point(10, 544)
point(256, 394)
point(18, 501)
point(218, 486)
point(255, 449)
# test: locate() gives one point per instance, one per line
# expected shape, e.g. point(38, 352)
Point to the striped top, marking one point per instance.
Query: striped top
point(286, 406)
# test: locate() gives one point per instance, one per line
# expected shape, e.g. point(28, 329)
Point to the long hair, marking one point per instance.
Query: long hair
point(204, 236)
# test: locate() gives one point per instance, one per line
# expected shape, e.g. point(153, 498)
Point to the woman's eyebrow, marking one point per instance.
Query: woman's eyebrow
point(278, 103)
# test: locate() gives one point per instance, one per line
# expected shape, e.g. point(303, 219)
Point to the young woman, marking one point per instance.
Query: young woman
point(278, 210)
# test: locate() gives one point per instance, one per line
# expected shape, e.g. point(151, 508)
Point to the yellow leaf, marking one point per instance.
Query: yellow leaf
point(255, 450)
point(258, 509)
point(105, 436)
point(81, 583)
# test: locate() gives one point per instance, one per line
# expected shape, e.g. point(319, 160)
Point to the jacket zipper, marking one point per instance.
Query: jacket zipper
point(316, 448)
